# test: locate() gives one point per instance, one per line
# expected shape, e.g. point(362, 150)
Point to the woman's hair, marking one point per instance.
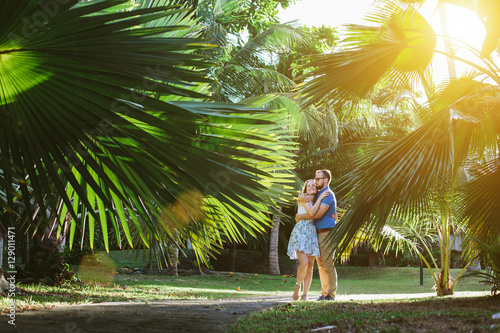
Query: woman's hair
point(304, 189)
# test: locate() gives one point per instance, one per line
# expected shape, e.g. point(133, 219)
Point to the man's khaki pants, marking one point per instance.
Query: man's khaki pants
point(326, 268)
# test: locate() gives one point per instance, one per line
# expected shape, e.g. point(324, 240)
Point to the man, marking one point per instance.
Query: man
point(325, 219)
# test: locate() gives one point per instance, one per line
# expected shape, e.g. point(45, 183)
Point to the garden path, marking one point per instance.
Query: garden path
point(161, 315)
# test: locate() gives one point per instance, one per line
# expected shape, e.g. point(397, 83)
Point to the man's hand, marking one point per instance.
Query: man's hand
point(299, 217)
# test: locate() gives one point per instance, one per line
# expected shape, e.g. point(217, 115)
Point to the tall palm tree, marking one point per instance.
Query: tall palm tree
point(459, 129)
point(88, 128)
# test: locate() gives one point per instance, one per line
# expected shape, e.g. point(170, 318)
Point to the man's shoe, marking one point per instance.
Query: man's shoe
point(320, 298)
point(328, 298)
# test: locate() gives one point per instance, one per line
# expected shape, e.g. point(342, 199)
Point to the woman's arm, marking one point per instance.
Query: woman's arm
point(310, 209)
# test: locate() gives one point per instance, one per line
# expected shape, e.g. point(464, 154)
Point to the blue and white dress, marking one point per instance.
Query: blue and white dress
point(303, 238)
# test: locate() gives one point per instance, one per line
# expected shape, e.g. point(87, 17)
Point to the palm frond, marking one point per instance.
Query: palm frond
point(90, 128)
point(399, 174)
point(402, 47)
point(273, 39)
point(480, 206)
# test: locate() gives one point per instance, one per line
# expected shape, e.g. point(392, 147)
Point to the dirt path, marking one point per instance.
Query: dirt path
point(158, 316)
point(138, 317)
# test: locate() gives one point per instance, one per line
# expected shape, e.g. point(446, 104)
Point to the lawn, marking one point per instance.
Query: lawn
point(133, 287)
point(471, 314)
point(432, 314)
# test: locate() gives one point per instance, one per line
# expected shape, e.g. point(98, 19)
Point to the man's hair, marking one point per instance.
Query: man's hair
point(326, 173)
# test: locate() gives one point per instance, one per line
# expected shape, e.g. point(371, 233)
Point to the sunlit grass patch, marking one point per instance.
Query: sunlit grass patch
point(417, 315)
point(147, 287)
point(220, 285)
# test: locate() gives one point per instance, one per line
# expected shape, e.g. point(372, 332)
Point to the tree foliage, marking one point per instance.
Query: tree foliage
point(457, 128)
point(90, 127)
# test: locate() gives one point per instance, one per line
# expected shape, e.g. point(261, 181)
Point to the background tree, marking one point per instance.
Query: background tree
point(454, 134)
point(239, 16)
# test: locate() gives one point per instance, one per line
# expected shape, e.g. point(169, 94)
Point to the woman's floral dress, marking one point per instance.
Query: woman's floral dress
point(303, 238)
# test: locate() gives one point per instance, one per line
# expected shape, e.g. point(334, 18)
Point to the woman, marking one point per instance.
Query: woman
point(303, 244)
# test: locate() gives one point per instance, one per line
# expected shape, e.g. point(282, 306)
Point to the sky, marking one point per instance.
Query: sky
point(463, 24)
point(338, 12)
point(327, 12)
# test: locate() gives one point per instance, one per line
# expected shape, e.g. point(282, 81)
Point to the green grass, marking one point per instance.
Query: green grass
point(395, 280)
point(134, 287)
point(422, 315)
point(431, 314)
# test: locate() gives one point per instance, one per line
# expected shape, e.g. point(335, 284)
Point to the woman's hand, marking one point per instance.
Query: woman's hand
point(324, 194)
point(303, 198)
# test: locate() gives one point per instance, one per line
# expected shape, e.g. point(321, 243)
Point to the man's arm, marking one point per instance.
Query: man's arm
point(321, 211)
point(299, 217)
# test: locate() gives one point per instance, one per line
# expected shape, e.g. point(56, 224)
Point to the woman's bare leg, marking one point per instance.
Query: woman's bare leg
point(301, 273)
point(308, 277)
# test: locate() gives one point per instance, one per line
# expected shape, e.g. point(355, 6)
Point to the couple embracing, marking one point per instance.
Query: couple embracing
point(316, 216)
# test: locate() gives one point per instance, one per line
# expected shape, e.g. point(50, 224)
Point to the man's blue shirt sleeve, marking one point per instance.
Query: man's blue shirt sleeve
point(331, 202)
point(328, 200)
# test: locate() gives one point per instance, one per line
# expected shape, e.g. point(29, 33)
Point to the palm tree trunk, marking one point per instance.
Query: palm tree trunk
point(1, 251)
point(373, 259)
point(173, 254)
point(445, 285)
point(274, 267)
point(46, 254)
point(4, 284)
point(232, 257)
point(452, 72)
point(25, 249)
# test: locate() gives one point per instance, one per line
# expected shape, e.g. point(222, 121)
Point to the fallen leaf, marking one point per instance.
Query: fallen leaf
point(238, 289)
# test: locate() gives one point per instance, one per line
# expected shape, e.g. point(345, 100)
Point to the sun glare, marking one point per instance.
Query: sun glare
point(459, 23)
point(465, 25)
point(462, 24)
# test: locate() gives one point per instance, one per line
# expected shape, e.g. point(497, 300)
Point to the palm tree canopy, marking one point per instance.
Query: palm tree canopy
point(456, 125)
point(84, 124)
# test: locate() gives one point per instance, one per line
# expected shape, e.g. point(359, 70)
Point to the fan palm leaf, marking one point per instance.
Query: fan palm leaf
point(480, 206)
point(87, 126)
point(452, 128)
point(400, 48)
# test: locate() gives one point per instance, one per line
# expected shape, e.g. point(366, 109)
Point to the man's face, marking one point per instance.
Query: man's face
point(320, 180)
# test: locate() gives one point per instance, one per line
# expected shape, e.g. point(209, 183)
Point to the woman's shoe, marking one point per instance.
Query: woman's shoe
point(295, 296)
point(303, 298)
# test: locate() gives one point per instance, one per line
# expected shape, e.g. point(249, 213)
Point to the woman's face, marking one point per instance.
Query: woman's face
point(311, 187)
